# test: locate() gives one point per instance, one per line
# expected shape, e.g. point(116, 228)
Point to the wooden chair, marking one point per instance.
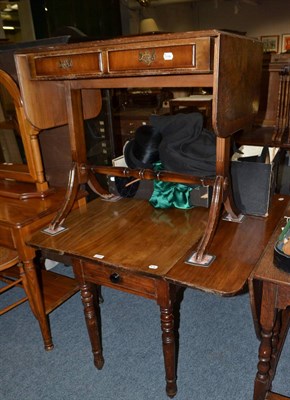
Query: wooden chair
point(8, 259)
point(279, 134)
point(281, 131)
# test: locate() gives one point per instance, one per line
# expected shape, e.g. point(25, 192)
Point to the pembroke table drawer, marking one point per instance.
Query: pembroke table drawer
point(190, 56)
point(194, 56)
point(6, 237)
point(67, 65)
point(120, 279)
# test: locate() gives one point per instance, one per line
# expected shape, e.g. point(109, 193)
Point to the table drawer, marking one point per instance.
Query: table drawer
point(120, 279)
point(6, 237)
point(194, 56)
point(69, 65)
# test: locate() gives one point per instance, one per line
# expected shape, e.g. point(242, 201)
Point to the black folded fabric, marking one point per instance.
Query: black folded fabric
point(186, 147)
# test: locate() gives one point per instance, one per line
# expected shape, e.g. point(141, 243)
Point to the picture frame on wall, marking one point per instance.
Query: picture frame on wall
point(270, 43)
point(285, 45)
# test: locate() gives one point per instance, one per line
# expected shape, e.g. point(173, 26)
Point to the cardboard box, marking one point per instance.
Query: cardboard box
point(254, 182)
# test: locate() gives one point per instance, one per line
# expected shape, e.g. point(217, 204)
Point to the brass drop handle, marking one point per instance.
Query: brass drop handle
point(115, 278)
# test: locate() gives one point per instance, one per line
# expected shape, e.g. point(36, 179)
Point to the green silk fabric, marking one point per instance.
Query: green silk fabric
point(170, 194)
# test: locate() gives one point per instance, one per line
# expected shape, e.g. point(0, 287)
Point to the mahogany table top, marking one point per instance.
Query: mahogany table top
point(131, 235)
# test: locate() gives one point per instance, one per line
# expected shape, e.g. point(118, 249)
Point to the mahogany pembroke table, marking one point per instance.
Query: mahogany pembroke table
point(129, 246)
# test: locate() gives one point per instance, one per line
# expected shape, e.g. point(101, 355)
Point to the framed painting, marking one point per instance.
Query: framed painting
point(270, 43)
point(285, 46)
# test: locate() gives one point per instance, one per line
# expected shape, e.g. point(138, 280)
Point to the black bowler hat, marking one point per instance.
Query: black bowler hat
point(142, 151)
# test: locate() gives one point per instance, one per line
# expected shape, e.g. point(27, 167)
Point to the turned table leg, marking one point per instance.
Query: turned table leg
point(275, 345)
point(263, 376)
point(90, 300)
point(168, 336)
point(168, 341)
point(92, 311)
point(268, 345)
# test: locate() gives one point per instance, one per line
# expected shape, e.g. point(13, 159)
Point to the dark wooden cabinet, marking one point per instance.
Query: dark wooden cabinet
point(95, 18)
point(125, 124)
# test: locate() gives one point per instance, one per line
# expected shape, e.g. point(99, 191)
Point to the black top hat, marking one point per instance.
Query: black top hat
point(142, 151)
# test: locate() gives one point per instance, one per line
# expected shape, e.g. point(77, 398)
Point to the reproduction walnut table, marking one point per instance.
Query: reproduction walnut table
point(130, 246)
point(73, 76)
point(270, 295)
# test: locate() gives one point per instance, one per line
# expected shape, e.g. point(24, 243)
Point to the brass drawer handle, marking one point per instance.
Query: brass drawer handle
point(115, 278)
point(66, 63)
point(147, 56)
